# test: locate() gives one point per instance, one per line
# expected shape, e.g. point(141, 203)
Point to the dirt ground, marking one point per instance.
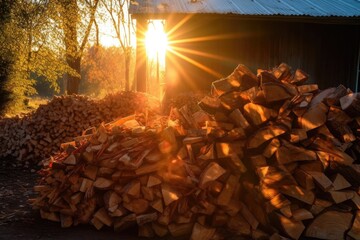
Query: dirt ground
point(19, 221)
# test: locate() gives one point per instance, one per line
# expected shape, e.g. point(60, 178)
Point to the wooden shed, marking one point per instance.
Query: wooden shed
point(209, 38)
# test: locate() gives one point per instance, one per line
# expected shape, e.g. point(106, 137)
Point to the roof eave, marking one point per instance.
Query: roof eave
point(352, 20)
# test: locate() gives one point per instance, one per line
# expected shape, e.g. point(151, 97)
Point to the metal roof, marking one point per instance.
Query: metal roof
point(312, 8)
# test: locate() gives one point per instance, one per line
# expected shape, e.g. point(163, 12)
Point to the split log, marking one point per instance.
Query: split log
point(275, 92)
point(355, 229)
point(314, 117)
point(258, 114)
point(329, 225)
point(291, 227)
point(351, 104)
point(265, 134)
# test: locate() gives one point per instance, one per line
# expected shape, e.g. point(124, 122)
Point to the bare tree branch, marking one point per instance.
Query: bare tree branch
point(88, 29)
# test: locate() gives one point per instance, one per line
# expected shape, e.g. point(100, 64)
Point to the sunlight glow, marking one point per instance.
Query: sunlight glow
point(156, 41)
point(173, 46)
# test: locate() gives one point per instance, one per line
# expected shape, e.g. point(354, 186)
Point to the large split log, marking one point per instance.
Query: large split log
point(330, 225)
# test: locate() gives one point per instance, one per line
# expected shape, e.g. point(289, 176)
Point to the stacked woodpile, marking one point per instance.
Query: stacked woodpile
point(190, 99)
point(39, 134)
point(267, 157)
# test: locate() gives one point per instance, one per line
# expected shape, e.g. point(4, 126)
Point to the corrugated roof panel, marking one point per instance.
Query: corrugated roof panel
point(276, 7)
point(339, 8)
point(305, 7)
point(315, 8)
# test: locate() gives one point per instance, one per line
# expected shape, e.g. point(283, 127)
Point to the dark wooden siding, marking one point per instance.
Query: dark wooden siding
point(328, 52)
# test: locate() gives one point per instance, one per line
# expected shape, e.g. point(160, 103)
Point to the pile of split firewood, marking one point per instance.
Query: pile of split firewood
point(267, 157)
point(38, 135)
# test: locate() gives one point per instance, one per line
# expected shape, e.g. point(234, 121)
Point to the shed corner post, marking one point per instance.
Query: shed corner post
point(141, 27)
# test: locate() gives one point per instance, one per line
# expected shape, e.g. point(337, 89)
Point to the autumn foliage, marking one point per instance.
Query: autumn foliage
point(102, 70)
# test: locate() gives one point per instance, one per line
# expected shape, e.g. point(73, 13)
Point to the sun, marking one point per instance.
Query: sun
point(156, 41)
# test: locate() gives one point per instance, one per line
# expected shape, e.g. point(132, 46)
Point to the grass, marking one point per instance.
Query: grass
point(30, 105)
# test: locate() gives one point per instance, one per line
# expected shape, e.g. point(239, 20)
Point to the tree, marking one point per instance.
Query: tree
point(101, 68)
point(28, 39)
point(6, 60)
point(70, 19)
point(122, 23)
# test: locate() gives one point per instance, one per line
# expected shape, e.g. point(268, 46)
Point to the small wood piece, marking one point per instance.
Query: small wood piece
point(153, 181)
point(159, 229)
point(351, 104)
point(248, 216)
point(271, 148)
point(146, 231)
point(70, 160)
point(355, 229)
point(221, 86)
point(66, 220)
point(222, 125)
point(212, 172)
point(177, 230)
point(237, 163)
point(86, 184)
point(91, 172)
point(341, 196)
point(103, 183)
point(297, 135)
point(258, 161)
point(149, 168)
point(239, 225)
point(219, 219)
point(96, 223)
point(258, 114)
point(319, 205)
point(158, 205)
point(302, 214)
point(200, 232)
point(169, 195)
point(237, 99)
point(124, 222)
point(265, 134)
point(147, 193)
point(103, 216)
point(288, 153)
point(291, 227)
point(322, 180)
point(339, 182)
point(299, 77)
point(210, 104)
point(238, 119)
point(137, 206)
point(275, 92)
point(168, 135)
point(282, 72)
point(278, 202)
point(146, 218)
point(286, 211)
point(232, 208)
point(298, 193)
point(314, 117)
point(228, 190)
point(245, 78)
point(133, 189)
point(307, 88)
point(329, 225)
point(275, 176)
point(304, 179)
point(111, 201)
point(223, 149)
point(356, 200)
